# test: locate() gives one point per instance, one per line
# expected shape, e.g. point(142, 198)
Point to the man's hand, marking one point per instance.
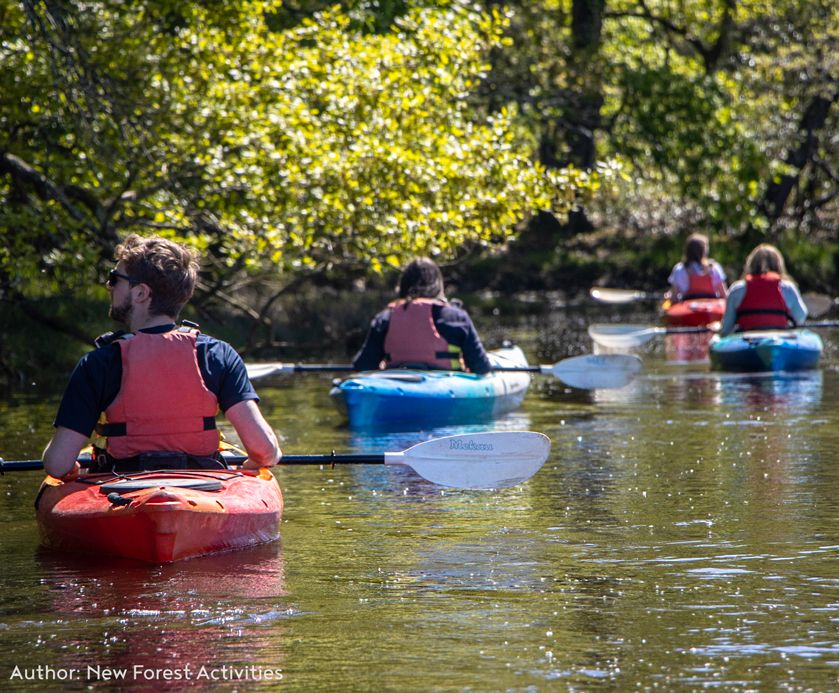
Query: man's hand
point(73, 475)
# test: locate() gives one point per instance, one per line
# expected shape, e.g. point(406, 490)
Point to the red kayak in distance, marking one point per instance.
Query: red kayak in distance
point(697, 312)
point(160, 516)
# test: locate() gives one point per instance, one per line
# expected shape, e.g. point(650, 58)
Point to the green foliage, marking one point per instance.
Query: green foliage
point(377, 16)
point(707, 101)
point(289, 150)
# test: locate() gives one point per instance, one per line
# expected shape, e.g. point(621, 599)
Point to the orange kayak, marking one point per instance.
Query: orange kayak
point(696, 312)
point(160, 516)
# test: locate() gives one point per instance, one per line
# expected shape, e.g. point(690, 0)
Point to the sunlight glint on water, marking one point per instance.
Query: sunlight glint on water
point(682, 536)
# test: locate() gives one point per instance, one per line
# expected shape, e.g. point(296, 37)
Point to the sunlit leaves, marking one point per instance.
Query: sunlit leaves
point(286, 149)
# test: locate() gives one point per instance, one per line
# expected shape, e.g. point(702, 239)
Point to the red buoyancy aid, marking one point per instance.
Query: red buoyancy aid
point(763, 306)
point(700, 286)
point(163, 403)
point(412, 337)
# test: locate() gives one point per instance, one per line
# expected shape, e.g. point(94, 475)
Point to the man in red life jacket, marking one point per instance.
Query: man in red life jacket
point(154, 393)
point(421, 329)
point(765, 297)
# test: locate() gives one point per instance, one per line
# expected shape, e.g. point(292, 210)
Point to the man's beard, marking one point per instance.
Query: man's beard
point(122, 313)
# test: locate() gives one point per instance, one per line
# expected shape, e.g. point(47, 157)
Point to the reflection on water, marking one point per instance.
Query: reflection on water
point(395, 441)
point(687, 347)
point(682, 536)
point(98, 618)
point(783, 392)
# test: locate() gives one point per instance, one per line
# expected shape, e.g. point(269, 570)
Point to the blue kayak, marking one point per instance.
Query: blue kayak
point(399, 396)
point(766, 350)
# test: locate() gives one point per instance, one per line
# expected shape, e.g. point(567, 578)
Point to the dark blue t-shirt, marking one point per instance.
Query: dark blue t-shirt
point(452, 323)
point(97, 379)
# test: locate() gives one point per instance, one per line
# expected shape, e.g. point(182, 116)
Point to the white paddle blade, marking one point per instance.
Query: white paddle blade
point(601, 371)
point(615, 296)
point(817, 304)
point(496, 459)
point(623, 336)
point(263, 370)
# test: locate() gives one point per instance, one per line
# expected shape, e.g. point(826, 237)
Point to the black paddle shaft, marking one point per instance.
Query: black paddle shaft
point(19, 465)
point(332, 459)
point(686, 330)
point(517, 369)
point(315, 367)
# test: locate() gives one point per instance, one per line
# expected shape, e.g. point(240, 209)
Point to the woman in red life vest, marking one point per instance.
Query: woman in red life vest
point(765, 297)
point(696, 276)
point(421, 329)
point(153, 394)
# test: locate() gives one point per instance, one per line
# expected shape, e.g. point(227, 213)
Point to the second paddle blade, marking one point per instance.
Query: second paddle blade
point(478, 460)
point(615, 296)
point(601, 371)
point(817, 304)
point(263, 370)
point(623, 336)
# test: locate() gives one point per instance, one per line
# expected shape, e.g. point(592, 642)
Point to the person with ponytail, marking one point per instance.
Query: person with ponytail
point(696, 276)
point(765, 297)
point(422, 329)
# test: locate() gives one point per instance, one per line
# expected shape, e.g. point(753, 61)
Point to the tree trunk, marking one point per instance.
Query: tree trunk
point(813, 120)
point(571, 139)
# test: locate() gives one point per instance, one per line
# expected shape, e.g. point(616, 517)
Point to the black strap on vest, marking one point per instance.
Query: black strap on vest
point(451, 355)
point(105, 462)
point(119, 429)
point(108, 338)
point(764, 311)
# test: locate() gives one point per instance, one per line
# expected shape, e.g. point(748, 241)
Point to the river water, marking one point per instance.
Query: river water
point(683, 536)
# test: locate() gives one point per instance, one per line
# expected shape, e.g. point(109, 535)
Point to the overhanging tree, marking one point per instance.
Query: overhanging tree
point(273, 151)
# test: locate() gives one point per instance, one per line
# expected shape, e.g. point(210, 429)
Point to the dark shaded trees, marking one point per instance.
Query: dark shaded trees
point(723, 110)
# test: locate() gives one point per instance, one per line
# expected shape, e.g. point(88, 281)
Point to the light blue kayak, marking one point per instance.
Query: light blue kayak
point(766, 350)
point(398, 397)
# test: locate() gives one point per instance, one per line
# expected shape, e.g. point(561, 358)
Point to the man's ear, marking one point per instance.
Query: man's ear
point(142, 293)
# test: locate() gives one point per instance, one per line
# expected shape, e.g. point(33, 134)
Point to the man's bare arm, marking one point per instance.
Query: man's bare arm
point(62, 451)
point(256, 435)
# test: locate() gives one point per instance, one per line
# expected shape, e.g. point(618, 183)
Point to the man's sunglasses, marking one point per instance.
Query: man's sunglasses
point(114, 277)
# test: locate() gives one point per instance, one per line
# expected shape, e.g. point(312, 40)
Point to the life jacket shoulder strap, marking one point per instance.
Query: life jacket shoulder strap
point(110, 337)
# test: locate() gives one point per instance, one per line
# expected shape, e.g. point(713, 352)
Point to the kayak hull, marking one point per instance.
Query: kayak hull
point(693, 313)
point(160, 516)
point(399, 397)
point(766, 350)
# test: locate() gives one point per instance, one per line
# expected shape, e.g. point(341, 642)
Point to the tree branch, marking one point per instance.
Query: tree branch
point(230, 300)
point(33, 312)
point(46, 189)
point(710, 55)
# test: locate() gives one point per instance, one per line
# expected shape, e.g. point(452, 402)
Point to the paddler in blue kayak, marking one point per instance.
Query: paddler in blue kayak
point(152, 394)
point(422, 329)
point(765, 298)
point(697, 275)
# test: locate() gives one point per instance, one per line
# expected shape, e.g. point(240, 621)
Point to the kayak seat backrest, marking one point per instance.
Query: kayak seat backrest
point(754, 335)
point(404, 377)
point(129, 485)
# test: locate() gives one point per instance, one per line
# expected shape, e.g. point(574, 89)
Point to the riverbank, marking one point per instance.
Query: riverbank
point(550, 267)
